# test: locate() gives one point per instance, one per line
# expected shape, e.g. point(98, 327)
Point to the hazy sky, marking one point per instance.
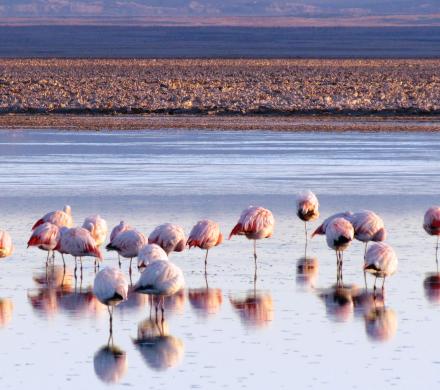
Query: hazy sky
point(322, 9)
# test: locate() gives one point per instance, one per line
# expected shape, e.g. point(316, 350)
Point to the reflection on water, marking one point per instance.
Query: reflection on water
point(255, 309)
point(158, 348)
point(135, 302)
point(338, 302)
point(6, 308)
point(431, 285)
point(205, 301)
point(307, 271)
point(381, 324)
point(110, 364)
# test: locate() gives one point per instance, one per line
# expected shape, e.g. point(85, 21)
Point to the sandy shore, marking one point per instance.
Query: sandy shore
point(279, 123)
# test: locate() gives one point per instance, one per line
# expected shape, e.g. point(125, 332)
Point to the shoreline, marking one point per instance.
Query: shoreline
point(331, 123)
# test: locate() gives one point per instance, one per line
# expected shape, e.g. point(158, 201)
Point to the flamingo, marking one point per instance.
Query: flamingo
point(368, 226)
point(431, 224)
point(110, 288)
point(121, 227)
point(78, 242)
point(58, 218)
point(149, 253)
point(320, 230)
point(6, 247)
point(307, 206)
point(170, 237)
point(339, 234)
point(380, 261)
point(97, 226)
point(46, 237)
point(161, 278)
point(127, 244)
point(205, 234)
point(255, 223)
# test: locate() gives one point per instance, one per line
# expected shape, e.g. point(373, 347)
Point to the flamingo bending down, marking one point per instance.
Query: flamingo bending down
point(321, 229)
point(78, 242)
point(97, 226)
point(339, 233)
point(127, 244)
point(431, 224)
point(161, 278)
point(58, 218)
point(6, 247)
point(380, 261)
point(149, 253)
point(205, 235)
point(170, 237)
point(255, 223)
point(121, 227)
point(307, 206)
point(110, 288)
point(46, 237)
point(368, 226)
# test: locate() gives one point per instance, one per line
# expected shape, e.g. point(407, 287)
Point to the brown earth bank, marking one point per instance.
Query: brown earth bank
point(220, 87)
point(196, 122)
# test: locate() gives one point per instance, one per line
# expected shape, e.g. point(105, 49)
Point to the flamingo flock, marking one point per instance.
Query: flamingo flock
point(159, 277)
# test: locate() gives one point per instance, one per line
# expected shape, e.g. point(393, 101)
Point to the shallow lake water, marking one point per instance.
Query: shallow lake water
point(286, 329)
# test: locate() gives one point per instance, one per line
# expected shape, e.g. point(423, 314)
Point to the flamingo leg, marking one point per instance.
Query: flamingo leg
point(365, 280)
point(383, 284)
point(150, 302)
point(436, 252)
point(365, 250)
point(110, 312)
point(255, 251)
point(206, 260)
point(119, 261)
point(64, 262)
point(163, 307)
point(305, 233)
point(375, 279)
point(47, 258)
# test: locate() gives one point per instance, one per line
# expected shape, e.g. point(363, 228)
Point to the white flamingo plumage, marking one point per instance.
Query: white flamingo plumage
point(368, 226)
point(58, 218)
point(321, 229)
point(307, 208)
point(255, 223)
point(149, 253)
point(339, 234)
point(45, 237)
point(170, 237)
point(380, 261)
point(121, 227)
point(97, 226)
point(205, 235)
point(431, 224)
point(127, 244)
point(110, 288)
point(161, 278)
point(78, 242)
point(6, 247)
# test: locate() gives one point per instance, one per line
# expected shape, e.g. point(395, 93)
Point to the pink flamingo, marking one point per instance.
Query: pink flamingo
point(170, 237)
point(431, 224)
point(6, 247)
point(78, 242)
point(339, 234)
point(58, 218)
point(127, 244)
point(121, 227)
point(255, 223)
point(149, 253)
point(205, 235)
point(46, 237)
point(307, 206)
point(97, 226)
point(320, 230)
point(368, 226)
point(380, 261)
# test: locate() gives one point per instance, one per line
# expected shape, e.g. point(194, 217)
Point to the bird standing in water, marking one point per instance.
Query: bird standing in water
point(431, 224)
point(307, 206)
point(380, 261)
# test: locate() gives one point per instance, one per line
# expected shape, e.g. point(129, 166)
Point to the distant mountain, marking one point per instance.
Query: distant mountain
point(428, 10)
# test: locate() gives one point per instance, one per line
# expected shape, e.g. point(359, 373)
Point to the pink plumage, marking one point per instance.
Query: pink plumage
point(45, 237)
point(431, 221)
point(121, 227)
point(368, 226)
point(321, 229)
point(58, 218)
point(127, 243)
point(205, 235)
point(97, 227)
point(307, 206)
point(380, 260)
point(170, 237)
point(78, 242)
point(255, 223)
point(339, 234)
point(6, 247)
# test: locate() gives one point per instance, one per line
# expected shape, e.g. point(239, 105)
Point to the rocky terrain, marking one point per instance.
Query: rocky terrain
point(219, 87)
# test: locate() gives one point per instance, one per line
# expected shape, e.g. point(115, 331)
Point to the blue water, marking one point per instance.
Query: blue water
point(224, 42)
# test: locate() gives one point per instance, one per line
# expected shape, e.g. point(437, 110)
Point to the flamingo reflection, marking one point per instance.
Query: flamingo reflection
point(110, 364)
point(158, 348)
point(307, 268)
point(255, 309)
point(381, 324)
point(338, 302)
point(431, 285)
